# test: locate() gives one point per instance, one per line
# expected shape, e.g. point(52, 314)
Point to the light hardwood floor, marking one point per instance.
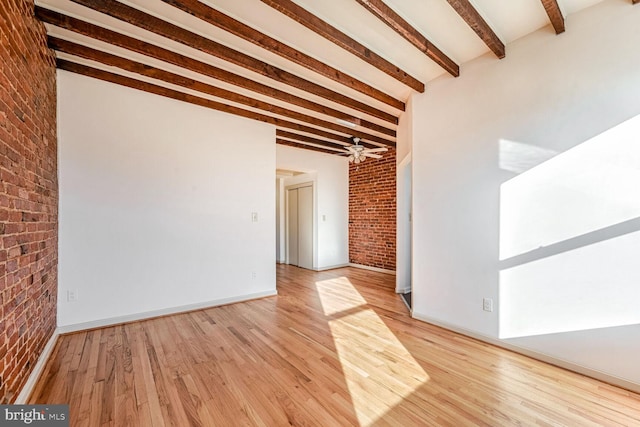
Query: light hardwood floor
point(335, 348)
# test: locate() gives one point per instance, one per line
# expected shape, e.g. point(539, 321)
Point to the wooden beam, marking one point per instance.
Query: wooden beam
point(178, 34)
point(192, 99)
point(280, 133)
point(479, 25)
point(153, 51)
point(178, 80)
point(312, 147)
point(412, 35)
point(303, 138)
point(227, 23)
point(322, 28)
point(555, 15)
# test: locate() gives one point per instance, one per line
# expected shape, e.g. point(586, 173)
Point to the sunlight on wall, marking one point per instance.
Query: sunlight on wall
point(569, 239)
point(518, 157)
point(366, 367)
point(589, 187)
point(595, 286)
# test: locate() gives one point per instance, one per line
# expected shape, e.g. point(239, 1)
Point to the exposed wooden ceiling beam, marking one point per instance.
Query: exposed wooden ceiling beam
point(412, 35)
point(479, 25)
point(173, 32)
point(322, 28)
point(313, 147)
point(281, 133)
point(555, 15)
point(178, 80)
point(165, 55)
point(303, 138)
point(227, 23)
point(192, 99)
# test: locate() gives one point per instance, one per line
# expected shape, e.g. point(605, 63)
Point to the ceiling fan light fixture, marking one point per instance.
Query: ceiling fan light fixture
point(359, 153)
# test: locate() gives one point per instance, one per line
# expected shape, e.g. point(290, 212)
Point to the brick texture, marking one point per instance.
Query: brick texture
point(372, 212)
point(28, 194)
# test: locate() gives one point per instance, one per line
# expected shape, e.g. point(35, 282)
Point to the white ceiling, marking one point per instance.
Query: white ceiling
point(435, 19)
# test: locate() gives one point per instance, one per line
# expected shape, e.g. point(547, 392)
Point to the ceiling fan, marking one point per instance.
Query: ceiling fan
point(357, 153)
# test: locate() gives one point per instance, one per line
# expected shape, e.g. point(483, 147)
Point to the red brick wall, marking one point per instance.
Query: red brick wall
point(28, 194)
point(372, 212)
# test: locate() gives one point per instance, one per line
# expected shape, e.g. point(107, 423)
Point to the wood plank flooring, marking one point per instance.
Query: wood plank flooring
point(335, 348)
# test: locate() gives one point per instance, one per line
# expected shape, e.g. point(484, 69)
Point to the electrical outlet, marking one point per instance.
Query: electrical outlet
point(253, 275)
point(487, 304)
point(72, 295)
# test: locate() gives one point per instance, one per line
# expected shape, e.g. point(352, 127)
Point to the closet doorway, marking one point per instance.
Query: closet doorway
point(299, 225)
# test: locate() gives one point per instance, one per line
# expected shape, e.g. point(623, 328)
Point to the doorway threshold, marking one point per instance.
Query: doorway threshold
point(406, 298)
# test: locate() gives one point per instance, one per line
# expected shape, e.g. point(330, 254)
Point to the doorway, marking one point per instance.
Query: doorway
point(404, 259)
point(299, 225)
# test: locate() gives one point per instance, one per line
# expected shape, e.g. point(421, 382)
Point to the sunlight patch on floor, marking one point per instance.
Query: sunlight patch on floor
point(338, 295)
point(379, 371)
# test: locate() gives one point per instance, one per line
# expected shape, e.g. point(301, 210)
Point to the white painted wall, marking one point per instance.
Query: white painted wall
point(568, 245)
point(155, 207)
point(330, 177)
point(550, 93)
point(404, 133)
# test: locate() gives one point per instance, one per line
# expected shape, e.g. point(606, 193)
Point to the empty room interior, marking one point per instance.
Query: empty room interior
point(333, 213)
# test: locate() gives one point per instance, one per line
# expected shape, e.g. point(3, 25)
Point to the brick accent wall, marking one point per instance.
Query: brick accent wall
point(28, 194)
point(372, 212)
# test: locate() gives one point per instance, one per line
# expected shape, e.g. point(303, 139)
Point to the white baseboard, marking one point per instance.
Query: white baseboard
point(101, 323)
point(331, 267)
point(565, 364)
point(376, 269)
point(26, 391)
point(403, 290)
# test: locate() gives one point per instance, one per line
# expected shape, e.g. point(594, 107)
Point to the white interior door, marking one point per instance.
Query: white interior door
point(292, 226)
point(305, 227)
point(300, 226)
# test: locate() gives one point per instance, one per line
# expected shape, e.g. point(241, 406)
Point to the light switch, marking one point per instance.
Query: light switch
point(254, 216)
point(72, 295)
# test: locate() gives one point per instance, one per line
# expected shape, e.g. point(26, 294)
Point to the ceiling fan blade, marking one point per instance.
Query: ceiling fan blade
point(376, 150)
point(373, 156)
